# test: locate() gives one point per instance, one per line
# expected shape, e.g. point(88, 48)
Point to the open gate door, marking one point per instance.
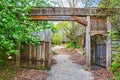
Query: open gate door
point(100, 54)
point(99, 50)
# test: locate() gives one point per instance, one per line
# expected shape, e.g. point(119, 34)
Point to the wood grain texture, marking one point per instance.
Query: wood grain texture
point(88, 45)
point(63, 11)
point(108, 46)
point(80, 20)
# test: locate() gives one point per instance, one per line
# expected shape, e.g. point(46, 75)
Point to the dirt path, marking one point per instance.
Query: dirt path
point(65, 69)
point(70, 64)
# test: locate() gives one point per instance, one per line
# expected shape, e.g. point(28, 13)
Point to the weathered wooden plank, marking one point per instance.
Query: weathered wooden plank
point(30, 54)
point(92, 33)
point(18, 56)
point(98, 24)
point(60, 18)
point(48, 46)
point(50, 55)
point(47, 35)
point(52, 18)
point(38, 54)
point(63, 11)
point(88, 45)
point(108, 46)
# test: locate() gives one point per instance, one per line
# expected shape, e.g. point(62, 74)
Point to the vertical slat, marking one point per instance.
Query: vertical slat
point(18, 56)
point(43, 54)
point(108, 46)
point(47, 35)
point(34, 53)
point(49, 50)
point(47, 47)
point(39, 55)
point(30, 56)
point(88, 47)
point(41, 50)
point(50, 55)
point(104, 55)
point(36, 56)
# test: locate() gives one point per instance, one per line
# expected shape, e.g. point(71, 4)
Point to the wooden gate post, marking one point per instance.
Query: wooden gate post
point(48, 46)
point(88, 47)
point(108, 46)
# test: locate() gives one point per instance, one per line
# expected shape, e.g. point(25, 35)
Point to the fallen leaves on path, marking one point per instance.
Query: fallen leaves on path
point(75, 56)
point(98, 74)
point(32, 74)
point(53, 62)
point(102, 74)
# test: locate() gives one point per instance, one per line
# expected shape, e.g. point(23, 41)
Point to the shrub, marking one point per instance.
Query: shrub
point(72, 45)
point(116, 65)
point(53, 52)
point(56, 38)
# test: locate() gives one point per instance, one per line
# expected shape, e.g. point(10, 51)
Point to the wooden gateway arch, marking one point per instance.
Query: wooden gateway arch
point(98, 39)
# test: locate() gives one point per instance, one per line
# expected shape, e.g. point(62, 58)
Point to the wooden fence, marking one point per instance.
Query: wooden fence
point(38, 56)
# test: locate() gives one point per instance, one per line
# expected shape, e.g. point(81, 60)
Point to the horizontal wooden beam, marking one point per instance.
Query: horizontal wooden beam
point(92, 33)
point(63, 11)
point(60, 18)
point(52, 18)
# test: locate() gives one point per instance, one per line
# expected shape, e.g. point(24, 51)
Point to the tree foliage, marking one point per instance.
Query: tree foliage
point(71, 33)
point(16, 27)
point(115, 20)
point(70, 29)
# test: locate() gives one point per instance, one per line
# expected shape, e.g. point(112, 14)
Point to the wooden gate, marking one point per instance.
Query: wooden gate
point(98, 30)
point(37, 56)
point(99, 50)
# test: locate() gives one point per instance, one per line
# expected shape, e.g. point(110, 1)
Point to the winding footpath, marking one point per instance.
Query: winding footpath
point(65, 69)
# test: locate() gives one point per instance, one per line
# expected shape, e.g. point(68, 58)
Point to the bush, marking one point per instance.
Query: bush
point(56, 38)
point(116, 65)
point(53, 52)
point(72, 45)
